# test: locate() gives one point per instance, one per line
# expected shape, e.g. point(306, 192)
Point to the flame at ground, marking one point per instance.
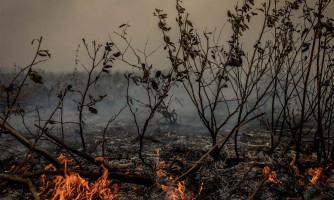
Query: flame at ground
point(177, 191)
point(73, 186)
point(315, 173)
point(272, 176)
point(292, 164)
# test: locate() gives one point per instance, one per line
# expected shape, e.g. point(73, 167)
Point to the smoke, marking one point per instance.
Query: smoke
point(64, 23)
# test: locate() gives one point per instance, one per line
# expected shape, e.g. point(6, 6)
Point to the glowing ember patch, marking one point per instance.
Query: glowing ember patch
point(272, 176)
point(200, 189)
point(161, 172)
point(315, 173)
point(28, 155)
point(177, 190)
point(73, 186)
point(10, 169)
point(99, 159)
point(50, 166)
point(292, 164)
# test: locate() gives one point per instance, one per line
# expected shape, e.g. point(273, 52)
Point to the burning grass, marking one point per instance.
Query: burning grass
point(272, 176)
point(73, 186)
point(174, 189)
point(213, 179)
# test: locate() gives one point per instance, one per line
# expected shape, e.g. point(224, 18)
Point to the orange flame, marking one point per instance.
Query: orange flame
point(10, 169)
point(272, 176)
point(161, 172)
point(292, 164)
point(315, 173)
point(177, 191)
point(73, 186)
point(19, 169)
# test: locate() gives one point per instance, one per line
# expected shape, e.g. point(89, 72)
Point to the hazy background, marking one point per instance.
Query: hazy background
point(63, 23)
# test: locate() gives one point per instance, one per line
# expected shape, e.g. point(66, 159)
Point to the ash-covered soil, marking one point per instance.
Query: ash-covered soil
point(180, 147)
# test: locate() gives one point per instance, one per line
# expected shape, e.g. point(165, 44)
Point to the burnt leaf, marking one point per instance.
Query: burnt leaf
point(154, 85)
point(107, 48)
point(44, 53)
point(36, 77)
point(117, 54)
point(235, 62)
point(52, 122)
point(102, 96)
point(189, 23)
point(305, 31)
point(122, 25)
point(60, 95)
point(306, 46)
point(92, 110)
point(158, 74)
point(32, 42)
point(167, 39)
point(107, 66)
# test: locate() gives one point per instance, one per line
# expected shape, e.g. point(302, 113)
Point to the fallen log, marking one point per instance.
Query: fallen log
point(24, 181)
point(112, 175)
point(22, 139)
point(127, 178)
point(82, 154)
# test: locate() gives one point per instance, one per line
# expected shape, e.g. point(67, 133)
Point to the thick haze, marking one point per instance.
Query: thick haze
point(63, 23)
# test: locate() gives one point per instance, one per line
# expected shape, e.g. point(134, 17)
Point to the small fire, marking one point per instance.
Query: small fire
point(292, 164)
point(272, 176)
point(21, 169)
point(10, 169)
point(161, 172)
point(315, 173)
point(177, 191)
point(73, 186)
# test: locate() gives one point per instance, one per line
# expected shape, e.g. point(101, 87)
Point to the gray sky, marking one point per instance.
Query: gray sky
point(63, 23)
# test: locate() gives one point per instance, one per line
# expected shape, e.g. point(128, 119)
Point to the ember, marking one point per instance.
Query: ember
point(176, 190)
point(315, 174)
point(272, 176)
point(292, 164)
point(245, 106)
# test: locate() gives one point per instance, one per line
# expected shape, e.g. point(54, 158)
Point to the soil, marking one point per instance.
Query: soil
point(180, 146)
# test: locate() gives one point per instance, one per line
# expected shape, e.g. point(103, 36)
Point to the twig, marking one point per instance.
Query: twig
point(29, 145)
point(127, 178)
point(259, 185)
point(68, 147)
point(208, 153)
point(24, 181)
